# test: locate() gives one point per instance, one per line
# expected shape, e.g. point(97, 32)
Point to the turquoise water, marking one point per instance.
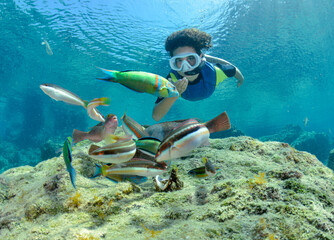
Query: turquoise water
point(284, 49)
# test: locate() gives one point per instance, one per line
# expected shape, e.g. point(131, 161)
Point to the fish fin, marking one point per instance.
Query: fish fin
point(168, 162)
point(110, 73)
point(132, 89)
point(110, 138)
point(103, 101)
point(98, 171)
point(92, 148)
point(219, 123)
point(169, 151)
point(205, 160)
point(108, 79)
point(78, 135)
point(73, 176)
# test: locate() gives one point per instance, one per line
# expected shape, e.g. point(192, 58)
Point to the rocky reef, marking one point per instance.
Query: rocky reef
point(317, 143)
point(263, 190)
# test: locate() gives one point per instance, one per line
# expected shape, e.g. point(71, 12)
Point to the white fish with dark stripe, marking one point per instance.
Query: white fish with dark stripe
point(182, 140)
point(118, 152)
point(134, 167)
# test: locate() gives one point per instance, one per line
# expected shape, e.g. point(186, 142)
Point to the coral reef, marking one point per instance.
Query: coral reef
point(264, 190)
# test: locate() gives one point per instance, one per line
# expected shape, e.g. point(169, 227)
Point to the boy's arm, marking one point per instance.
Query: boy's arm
point(238, 75)
point(161, 108)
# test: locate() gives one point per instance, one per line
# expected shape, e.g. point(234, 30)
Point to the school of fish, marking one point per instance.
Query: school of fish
point(144, 151)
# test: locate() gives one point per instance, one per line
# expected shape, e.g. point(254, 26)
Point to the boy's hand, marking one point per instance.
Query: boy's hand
point(181, 85)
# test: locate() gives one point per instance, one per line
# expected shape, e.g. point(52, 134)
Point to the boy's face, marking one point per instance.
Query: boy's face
point(180, 50)
point(190, 59)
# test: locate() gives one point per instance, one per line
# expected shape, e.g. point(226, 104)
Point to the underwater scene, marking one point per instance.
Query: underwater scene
point(167, 119)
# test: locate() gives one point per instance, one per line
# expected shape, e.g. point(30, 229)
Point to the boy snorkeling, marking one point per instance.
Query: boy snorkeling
point(193, 73)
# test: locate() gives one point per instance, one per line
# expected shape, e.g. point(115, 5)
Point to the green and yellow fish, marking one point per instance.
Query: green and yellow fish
point(134, 167)
point(67, 155)
point(142, 82)
point(101, 170)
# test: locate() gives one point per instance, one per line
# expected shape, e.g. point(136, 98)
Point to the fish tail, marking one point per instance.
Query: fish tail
point(112, 75)
point(73, 176)
point(219, 123)
point(98, 171)
point(79, 136)
point(105, 100)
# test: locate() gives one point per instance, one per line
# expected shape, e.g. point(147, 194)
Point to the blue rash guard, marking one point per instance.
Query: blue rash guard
point(205, 84)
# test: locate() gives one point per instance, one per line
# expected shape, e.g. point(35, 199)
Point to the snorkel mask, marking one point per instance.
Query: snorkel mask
point(188, 63)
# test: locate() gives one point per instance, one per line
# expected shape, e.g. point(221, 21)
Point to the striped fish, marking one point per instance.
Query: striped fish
point(132, 128)
point(101, 171)
point(142, 82)
point(67, 155)
point(134, 167)
point(182, 140)
point(118, 152)
point(93, 112)
point(208, 170)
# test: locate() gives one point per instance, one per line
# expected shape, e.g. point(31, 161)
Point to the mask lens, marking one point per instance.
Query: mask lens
point(185, 61)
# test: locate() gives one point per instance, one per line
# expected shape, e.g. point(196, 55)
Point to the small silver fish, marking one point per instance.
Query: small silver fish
point(61, 94)
point(47, 47)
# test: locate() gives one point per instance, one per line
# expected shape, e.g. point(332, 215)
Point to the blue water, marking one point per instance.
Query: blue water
point(284, 49)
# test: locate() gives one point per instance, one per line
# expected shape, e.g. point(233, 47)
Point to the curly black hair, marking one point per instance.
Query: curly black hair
point(188, 37)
